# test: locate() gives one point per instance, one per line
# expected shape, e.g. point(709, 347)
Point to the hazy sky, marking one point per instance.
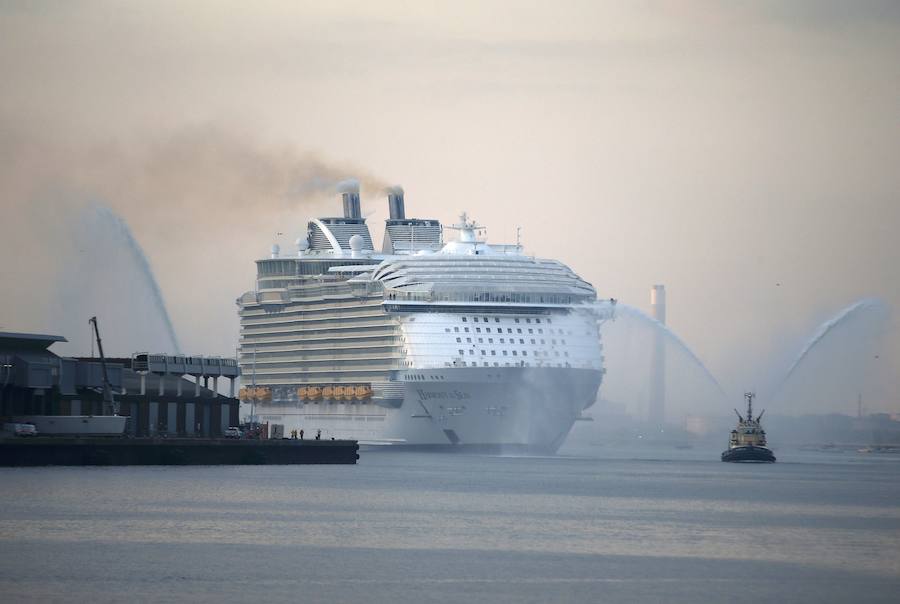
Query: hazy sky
point(719, 148)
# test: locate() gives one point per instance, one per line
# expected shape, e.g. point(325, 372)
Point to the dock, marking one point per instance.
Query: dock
point(100, 451)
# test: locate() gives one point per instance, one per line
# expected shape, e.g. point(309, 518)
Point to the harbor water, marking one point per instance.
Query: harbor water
point(592, 524)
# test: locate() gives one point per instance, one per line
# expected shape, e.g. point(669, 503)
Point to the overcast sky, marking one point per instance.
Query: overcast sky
point(719, 148)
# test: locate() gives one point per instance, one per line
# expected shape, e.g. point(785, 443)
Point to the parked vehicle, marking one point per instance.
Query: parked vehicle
point(233, 432)
point(21, 429)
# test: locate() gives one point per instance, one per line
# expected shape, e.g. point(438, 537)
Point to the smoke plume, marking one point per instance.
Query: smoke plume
point(203, 203)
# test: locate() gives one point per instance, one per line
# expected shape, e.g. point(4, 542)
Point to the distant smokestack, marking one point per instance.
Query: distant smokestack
point(349, 190)
point(395, 203)
point(657, 409)
point(658, 303)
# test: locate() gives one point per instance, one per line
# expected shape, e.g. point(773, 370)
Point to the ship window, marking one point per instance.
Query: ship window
point(469, 340)
point(524, 353)
point(496, 364)
point(503, 340)
point(478, 329)
point(467, 329)
point(493, 353)
point(447, 329)
point(459, 339)
point(471, 351)
point(566, 353)
point(542, 341)
point(515, 354)
point(528, 320)
point(485, 319)
point(461, 351)
point(537, 320)
point(521, 341)
point(456, 329)
point(496, 319)
point(530, 331)
point(517, 320)
point(490, 340)
point(488, 329)
point(519, 330)
point(505, 353)
point(509, 330)
point(481, 340)
point(532, 341)
point(464, 319)
point(483, 352)
point(540, 331)
point(475, 319)
point(554, 342)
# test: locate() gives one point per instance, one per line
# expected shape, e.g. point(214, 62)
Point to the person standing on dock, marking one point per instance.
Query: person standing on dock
point(301, 433)
point(318, 434)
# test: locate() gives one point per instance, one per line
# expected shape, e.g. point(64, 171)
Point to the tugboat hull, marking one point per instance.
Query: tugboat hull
point(748, 453)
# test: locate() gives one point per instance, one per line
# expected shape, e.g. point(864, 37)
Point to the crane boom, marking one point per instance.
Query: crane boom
point(108, 397)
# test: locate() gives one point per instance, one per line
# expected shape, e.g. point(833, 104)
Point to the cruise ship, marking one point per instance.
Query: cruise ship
point(426, 344)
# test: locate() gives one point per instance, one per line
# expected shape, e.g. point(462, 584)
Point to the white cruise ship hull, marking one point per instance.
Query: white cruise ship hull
point(524, 409)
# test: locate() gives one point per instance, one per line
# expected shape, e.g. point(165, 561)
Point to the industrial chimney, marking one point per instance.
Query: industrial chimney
point(658, 303)
point(395, 203)
point(657, 407)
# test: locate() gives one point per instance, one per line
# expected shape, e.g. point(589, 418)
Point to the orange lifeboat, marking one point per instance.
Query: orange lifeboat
point(303, 393)
point(362, 392)
point(328, 392)
point(314, 393)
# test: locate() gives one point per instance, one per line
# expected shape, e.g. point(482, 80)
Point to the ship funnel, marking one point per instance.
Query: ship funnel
point(349, 189)
point(395, 203)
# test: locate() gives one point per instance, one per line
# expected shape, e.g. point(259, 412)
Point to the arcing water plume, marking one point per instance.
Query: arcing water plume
point(628, 343)
point(101, 270)
point(631, 311)
point(111, 225)
point(841, 361)
point(868, 304)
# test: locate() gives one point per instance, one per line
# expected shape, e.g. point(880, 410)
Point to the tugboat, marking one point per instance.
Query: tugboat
point(748, 440)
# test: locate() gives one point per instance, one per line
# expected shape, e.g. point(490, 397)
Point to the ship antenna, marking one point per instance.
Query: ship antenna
point(749, 396)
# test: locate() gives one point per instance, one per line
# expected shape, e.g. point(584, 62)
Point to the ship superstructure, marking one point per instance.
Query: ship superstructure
point(424, 343)
point(747, 442)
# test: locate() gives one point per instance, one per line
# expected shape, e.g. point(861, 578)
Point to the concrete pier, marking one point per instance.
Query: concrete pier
point(61, 451)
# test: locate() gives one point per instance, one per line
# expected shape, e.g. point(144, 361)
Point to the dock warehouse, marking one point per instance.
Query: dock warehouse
point(160, 395)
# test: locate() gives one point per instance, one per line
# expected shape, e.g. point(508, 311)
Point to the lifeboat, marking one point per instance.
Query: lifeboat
point(258, 393)
point(362, 393)
point(303, 393)
point(328, 392)
point(314, 393)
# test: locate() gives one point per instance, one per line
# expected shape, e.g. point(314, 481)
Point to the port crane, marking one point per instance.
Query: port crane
point(109, 399)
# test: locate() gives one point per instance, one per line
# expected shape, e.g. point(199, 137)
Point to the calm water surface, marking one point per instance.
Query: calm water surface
point(590, 525)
